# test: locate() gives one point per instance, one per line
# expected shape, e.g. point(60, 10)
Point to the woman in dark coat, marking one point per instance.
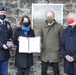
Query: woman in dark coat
point(23, 61)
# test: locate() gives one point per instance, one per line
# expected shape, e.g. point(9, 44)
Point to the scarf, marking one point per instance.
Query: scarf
point(26, 29)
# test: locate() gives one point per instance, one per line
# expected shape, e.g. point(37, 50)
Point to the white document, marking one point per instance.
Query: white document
point(23, 45)
point(29, 45)
point(34, 44)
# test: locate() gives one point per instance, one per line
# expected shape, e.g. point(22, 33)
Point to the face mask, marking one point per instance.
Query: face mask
point(50, 20)
point(71, 22)
point(2, 17)
point(26, 24)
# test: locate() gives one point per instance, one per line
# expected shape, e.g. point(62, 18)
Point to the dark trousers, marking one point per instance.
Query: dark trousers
point(23, 71)
point(3, 67)
point(45, 67)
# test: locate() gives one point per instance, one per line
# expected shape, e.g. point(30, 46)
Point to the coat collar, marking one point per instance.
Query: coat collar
point(50, 25)
point(72, 30)
point(1, 21)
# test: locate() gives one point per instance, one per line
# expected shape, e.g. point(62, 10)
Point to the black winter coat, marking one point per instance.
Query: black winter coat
point(22, 60)
point(5, 35)
point(68, 47)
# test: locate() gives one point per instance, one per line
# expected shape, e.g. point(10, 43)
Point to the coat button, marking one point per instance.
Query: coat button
point(70, 37)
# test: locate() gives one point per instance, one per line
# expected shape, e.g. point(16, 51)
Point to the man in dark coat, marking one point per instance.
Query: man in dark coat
point(5, 35)
point(68, 45)
point(51, 34)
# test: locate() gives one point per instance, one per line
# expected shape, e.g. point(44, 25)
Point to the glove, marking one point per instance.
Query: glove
point(5, 47)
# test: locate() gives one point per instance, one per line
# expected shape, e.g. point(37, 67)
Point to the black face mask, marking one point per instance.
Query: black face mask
point(2, 17)
point(26, 24)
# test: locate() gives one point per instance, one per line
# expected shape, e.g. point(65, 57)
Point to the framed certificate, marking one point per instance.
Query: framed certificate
point(29, 45)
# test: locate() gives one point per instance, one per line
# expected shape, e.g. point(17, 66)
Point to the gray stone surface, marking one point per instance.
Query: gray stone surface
point(17, 8)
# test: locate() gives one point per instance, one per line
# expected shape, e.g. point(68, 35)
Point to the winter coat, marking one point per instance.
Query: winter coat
point(68, 47)
point(22, 60)
point(50, 39)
